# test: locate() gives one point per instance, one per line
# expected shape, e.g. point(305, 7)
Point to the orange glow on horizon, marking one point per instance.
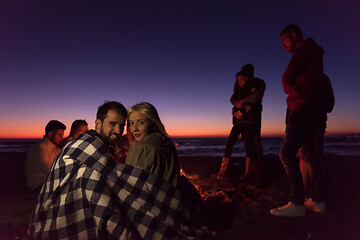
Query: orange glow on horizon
point(35, 132)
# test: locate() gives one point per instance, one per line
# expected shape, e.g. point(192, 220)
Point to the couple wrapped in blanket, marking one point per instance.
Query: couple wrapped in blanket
point(87, 195)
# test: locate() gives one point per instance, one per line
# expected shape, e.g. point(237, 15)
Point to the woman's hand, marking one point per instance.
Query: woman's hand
point(237, 114)
point(238, 104)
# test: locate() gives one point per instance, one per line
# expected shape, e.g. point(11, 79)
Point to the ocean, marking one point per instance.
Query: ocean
point(214, 147)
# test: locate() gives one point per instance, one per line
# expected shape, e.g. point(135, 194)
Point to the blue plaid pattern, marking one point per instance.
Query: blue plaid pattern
point(88, 196)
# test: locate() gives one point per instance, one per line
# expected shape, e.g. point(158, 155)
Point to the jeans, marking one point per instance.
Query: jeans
point(313, 167)
point(304, 133)
point(247, 131)
point(257, 142)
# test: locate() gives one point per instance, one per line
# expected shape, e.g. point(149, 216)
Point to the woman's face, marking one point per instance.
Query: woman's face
point(139, 125)
point(240, 80)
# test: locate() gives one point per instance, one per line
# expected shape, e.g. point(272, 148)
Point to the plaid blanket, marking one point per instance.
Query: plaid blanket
point(88, 196)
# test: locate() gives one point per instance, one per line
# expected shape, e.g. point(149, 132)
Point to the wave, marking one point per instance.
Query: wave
point(344, 146)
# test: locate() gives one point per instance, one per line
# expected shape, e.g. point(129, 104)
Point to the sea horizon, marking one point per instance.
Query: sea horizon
point(348, 144)
point(327, 135)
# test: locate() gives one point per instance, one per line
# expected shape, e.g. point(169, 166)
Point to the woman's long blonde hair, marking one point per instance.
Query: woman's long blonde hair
point(151, 114)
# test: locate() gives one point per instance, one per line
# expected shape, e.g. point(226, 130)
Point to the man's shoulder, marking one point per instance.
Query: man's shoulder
point(309, 46)
point(89, 143)
point(89, 137)
point(258, 83)
point(42, 145)
point(259, 80)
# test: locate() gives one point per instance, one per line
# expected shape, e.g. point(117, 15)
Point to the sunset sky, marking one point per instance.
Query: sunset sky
point(62, 60)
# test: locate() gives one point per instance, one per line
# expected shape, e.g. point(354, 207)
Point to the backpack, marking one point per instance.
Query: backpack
point(327, 98)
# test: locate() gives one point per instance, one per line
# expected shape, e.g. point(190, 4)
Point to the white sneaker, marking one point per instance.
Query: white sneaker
point(289, 210)
point(318, 207)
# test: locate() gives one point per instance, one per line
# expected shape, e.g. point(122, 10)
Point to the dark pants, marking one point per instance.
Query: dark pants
point(247, 131)
point(304, 132)
point(258, 145)
point(313, 167)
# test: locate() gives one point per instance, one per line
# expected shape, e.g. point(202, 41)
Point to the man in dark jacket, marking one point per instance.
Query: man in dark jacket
point(305, 122)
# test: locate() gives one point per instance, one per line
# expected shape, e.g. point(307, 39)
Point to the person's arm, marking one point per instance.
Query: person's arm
point(256, 93)
point(238, 103)
point(296, 68)
point(44, 160)
point(233, 99)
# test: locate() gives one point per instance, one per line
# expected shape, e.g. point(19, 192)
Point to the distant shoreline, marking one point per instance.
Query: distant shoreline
point(327, 135)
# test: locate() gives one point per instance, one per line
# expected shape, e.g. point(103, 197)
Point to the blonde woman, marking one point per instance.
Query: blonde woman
point(150, 146)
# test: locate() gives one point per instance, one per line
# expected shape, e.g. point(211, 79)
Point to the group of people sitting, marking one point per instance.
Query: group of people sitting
point(87, 194)
point(40, 157)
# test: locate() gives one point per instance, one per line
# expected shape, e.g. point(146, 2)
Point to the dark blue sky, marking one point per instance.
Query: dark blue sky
point(61, 60)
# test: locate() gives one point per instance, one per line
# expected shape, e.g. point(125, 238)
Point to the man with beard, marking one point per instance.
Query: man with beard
point(304, 82)
point(87, 195)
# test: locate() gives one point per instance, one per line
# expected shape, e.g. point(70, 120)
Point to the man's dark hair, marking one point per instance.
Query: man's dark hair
point(76, 124)
point(107, 106)
point(53, 126)
point(248, 70)
point(292, 28)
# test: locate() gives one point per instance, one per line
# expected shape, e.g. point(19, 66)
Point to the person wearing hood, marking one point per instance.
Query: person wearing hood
point(150, 146)
point(305, 123)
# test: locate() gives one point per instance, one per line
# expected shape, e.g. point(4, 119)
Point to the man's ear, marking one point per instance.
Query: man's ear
point(293, 36)
point(50, 135)
point(97, 124)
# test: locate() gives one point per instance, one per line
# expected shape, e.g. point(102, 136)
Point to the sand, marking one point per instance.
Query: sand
point(235, 209)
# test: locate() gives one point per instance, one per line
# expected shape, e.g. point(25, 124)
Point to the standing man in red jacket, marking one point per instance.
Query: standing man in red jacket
point(305, 123)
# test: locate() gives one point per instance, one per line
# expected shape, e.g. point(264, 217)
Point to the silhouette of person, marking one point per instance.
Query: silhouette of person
point(247, 101)
point(305, 123)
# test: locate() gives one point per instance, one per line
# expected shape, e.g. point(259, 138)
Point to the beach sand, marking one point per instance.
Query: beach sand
point(235, 209)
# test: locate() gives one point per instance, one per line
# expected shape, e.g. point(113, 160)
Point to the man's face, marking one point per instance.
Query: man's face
point(288, 42)
point(139, 125)
point(112, 128)
point(56, 137)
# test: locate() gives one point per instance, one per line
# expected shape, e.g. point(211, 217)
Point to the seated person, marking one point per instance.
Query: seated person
point(150, 146)
point(87, 195)
point(78, 127)
point(41, 155)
